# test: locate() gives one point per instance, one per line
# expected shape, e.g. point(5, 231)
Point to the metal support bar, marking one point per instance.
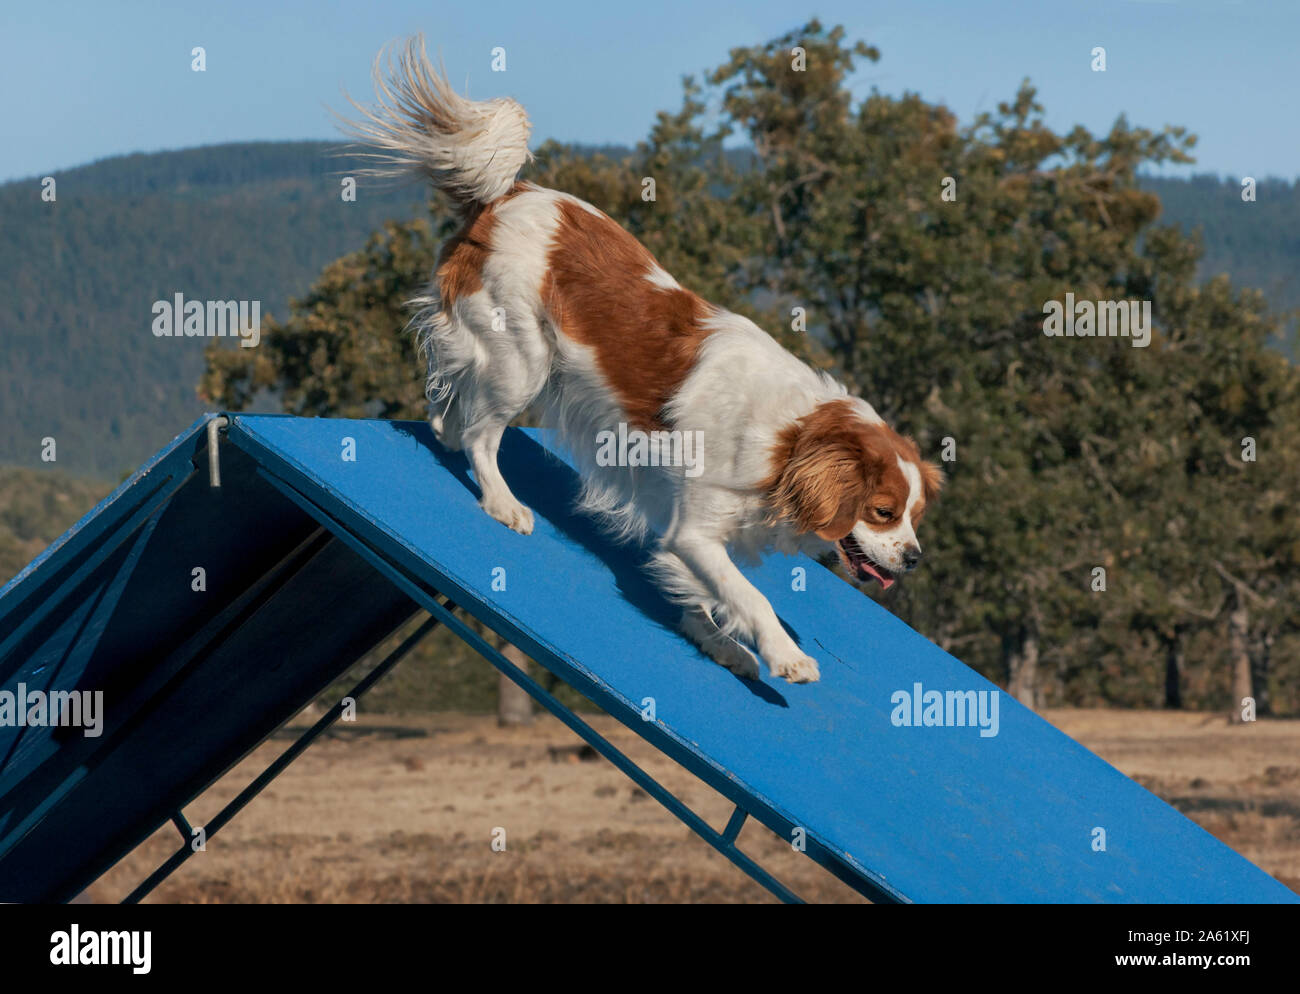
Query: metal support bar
point(611, 752)
point(418, 593)
point(285, 758)
point(140, 701)
point(103, 601)
point(182, 826)
point(734, 825)
point(93, 559)
point(214, 456)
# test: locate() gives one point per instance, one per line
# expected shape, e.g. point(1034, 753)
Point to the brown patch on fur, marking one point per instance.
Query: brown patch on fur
point(460, 262)
point(931, 475)
point(644, 337)
point(831, 469)
point(931, 483)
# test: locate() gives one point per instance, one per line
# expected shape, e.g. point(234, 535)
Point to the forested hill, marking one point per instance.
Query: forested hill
point(258, 221)
point(78, 359)
point(1257, 244)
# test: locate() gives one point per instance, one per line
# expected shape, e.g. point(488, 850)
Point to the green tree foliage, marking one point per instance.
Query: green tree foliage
point(341, 354)
point(260, 220)
point(1071, 455)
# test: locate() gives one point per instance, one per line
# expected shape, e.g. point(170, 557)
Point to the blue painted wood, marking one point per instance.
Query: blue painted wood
point(441, 610)
point(923, 813)
point(193, 682)
point(74, 544)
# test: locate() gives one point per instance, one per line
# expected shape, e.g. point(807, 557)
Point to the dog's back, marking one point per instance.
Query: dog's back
point(541, 297)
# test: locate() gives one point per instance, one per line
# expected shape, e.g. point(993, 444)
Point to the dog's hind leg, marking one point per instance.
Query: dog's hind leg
point(482, 439)
point(482, 374)
point(496, 390)
point(449, 348)
point(447, 425)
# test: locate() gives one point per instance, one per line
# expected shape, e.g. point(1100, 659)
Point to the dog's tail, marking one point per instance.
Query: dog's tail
point(471, 149)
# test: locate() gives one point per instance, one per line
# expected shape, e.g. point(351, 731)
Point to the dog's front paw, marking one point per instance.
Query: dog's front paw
point(511, 513)
point(700, 629)
point(795, 667)
point(736, 658)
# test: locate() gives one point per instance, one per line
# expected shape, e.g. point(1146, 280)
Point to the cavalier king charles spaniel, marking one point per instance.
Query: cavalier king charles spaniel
point(542, 298)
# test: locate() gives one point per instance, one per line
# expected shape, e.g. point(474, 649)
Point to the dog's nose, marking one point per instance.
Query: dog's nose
point(911, 556)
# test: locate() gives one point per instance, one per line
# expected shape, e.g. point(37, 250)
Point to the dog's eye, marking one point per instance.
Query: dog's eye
point(884, 513)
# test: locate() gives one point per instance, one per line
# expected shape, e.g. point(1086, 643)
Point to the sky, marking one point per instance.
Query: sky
point(86, 80)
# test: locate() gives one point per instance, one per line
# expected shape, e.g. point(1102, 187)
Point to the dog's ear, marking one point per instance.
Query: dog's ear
point(824, 467)
point(932, 481)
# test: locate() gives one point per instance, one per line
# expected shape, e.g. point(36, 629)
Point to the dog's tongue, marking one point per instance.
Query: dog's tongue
point(863, 567)
point(885, 581)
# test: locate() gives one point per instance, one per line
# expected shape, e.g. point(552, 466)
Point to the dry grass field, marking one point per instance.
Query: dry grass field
point(402, 809)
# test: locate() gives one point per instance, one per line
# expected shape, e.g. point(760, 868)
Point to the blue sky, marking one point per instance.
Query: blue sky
point(86, 80)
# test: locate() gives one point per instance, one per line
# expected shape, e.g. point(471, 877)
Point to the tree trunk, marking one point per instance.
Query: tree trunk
point(1239, 653)
point(1174, 668)
point(1021, 653)
point(1261, 651)
point(514, 704)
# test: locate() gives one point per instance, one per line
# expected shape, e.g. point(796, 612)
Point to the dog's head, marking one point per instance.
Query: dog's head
point(854, 482)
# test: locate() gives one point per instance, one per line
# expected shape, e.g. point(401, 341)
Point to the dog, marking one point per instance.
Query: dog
point(542, 299)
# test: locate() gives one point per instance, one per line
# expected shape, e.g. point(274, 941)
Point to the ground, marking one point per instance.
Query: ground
point(403, 809)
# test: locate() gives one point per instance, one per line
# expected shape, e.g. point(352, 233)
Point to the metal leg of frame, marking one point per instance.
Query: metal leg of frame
point(649, 784)
point(183, 826)
point(427, 599)
point(278, 766)
point(734, 824)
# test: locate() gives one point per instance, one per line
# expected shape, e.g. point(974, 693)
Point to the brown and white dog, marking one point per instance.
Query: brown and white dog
point(542, 298)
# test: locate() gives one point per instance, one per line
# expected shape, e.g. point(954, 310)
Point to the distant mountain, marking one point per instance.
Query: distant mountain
point(78, 359)
point(258, 221)
point(1257, 244)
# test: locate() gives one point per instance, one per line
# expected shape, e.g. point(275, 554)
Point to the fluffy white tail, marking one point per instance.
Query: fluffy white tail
point(471, 149)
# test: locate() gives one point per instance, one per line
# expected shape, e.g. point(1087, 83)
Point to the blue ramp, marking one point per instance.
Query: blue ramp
point(353, 525)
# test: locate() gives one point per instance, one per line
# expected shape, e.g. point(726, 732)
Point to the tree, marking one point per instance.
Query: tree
point(1101, 537)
